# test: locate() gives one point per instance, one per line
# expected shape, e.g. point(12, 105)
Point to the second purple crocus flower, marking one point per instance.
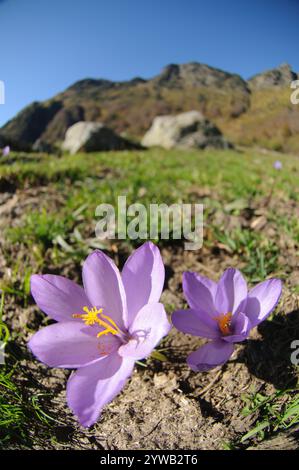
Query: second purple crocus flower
point(223, 312)
point(6, 151)
point(102, 329)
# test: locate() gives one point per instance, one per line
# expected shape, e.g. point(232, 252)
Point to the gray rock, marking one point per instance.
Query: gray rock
point(93, 137)
point(185, 130)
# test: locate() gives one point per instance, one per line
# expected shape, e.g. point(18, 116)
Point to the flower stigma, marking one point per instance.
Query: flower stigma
point(224, 323)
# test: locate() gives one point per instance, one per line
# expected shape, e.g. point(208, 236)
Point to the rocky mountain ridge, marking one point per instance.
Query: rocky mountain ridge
point(253, 112)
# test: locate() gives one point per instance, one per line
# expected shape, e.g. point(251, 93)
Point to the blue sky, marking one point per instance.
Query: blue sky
point(47, 45)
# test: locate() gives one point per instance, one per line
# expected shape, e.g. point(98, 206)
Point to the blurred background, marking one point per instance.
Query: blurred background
point(109, 62)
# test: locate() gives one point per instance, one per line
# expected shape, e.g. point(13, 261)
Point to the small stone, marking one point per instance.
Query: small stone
point(167, 382)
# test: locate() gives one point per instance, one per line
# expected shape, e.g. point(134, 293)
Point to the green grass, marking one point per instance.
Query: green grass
point(259, 254)
point(155, 176)
point(234, 174)
point(18, 412)
point(276, 412)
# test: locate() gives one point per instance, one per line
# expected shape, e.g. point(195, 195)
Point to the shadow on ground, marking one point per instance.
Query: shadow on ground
point(269, 358)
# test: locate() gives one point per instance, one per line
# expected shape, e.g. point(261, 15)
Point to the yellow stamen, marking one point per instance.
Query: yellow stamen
point(110, 320)
point(224, 323)
point(90, 317)
point(95, 316)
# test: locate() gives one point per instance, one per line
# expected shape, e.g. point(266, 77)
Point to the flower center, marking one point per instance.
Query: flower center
point(224, 323)
point(95, 316)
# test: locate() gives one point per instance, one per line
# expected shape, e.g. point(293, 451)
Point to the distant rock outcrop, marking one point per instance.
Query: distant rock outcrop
point(197, 75)
point(185, 130)
point(279, 77)
point(93, 137)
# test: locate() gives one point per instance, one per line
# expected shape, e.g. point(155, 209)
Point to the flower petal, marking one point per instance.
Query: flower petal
point(241, 327)
point(70, 345)
point(210, 355)
point(196, 322)
point(148, 328)
point(104, 287)
point(199, 292)
point(143, 278)
point(57, 296)
point(90, 388)
point(231, 291)
point(262, 300)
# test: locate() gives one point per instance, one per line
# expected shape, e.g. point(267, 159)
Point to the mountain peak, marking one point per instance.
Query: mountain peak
point(195, 74)
point(278, 77)
point(87, 83)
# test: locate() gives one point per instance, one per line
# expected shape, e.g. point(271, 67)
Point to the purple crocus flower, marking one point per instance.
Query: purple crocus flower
point(102, 329)
point(277, 165)
point(224, 312)
point(6, 151)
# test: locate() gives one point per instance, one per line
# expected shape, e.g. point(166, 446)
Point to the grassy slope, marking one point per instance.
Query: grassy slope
point(57, 235)
point(271, 122)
